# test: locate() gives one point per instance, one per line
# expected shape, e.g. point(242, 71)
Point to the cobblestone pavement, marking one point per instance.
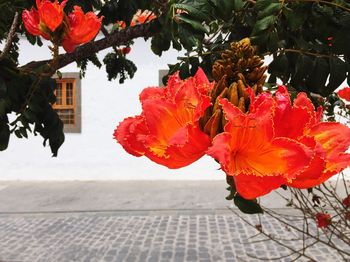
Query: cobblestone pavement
point(146, 236)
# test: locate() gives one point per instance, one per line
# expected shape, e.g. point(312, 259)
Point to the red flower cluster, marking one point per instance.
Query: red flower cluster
point(167, 131)
point(276, 143)
point(323, 220)
point(50, 22)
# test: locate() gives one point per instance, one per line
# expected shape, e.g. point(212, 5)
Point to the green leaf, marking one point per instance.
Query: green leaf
point(262, 4)
point(184, 70)
point(2, 107)
point(338, 72)
point(159, 44)
point(247, 206)
point(196, 8)
point(279, 67)
point(3, 88)
point(187, 38)
point(296, 17)
point(237, 5)
point(224, 8)
point(272, 43)
point(23, 132)
point(4, 133)
point(264, 24)
point(271, 9)
point(18, 133)
point(193, 23)
point(176, 45)
point(302, 69)
point(318, 76)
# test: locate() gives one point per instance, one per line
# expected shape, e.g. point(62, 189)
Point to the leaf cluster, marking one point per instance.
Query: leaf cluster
point(26, 106)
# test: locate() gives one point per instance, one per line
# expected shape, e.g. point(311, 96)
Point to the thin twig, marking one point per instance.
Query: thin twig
point(275, 240)
point(10, 36)
point(270, 212)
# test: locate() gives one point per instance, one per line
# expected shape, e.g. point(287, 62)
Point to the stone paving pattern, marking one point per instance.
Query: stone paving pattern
point(133, 236)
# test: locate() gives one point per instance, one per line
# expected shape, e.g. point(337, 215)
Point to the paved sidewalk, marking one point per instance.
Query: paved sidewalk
point(138, 221)
point(118, 195)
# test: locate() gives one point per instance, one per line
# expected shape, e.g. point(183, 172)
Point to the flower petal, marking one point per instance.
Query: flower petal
point(31, 21)
point(291, 121)
point(344, 93)
point(312, 176)
point(83, 27)
point(335, 140)
point(251, 187)
point(130, 134)
point(248, 145)
point(51, 14)
point(184, 151)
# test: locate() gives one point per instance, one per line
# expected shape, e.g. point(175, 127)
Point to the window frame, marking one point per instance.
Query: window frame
point(75, 78)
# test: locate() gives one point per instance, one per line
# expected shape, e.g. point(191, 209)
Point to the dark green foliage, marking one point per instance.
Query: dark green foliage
point(247, 206)
point(119, 66)
point(160, 43)
point(83, 64)
point(29, 97)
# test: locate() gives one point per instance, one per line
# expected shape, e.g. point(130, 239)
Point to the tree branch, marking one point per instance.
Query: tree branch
point(115, 39)
point(10, 36)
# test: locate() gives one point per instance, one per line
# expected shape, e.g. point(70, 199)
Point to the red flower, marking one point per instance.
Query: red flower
point(346, 201)
point(329, 141)
point(46, 19)
point(344, 93)
point(167, 131)
point(249, 150)
point(323, 220)
point(82, 28)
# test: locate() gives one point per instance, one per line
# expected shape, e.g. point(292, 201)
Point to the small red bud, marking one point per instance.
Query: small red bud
point(126, 50)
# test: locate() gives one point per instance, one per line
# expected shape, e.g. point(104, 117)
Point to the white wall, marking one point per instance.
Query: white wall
point(93, 154)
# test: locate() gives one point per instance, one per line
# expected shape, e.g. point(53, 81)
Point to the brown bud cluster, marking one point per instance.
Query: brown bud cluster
point(238, 68)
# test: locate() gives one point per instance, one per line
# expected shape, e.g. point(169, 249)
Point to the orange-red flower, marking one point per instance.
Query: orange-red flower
point(46, 19)
point(329, 141)
point(51, 14)
point(249, 150)
point(82, 28)
point(167, 131)
point(344, 93)
point(279, 143)
point(323, 220)
point(142, 17)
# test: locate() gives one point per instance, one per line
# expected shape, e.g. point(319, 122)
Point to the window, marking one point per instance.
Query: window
point(68, 101)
